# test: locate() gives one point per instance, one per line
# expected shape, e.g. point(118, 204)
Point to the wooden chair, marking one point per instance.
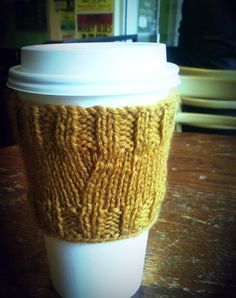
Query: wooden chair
point(212, 90)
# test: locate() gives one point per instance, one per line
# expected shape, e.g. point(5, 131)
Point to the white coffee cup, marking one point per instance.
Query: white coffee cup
point(89, 74)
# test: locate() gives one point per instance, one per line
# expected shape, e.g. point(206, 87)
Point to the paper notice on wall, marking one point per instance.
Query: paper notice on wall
point(94, 25)
point(67, 24)
point(94, 5)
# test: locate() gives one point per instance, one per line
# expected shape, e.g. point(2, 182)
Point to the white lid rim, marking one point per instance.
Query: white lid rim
point(92, 90)
point(80, 85)
point(16, 73)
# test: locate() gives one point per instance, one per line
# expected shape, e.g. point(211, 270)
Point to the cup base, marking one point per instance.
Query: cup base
point(101, 270)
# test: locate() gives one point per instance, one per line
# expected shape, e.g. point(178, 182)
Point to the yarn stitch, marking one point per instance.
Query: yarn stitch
point(95, 174)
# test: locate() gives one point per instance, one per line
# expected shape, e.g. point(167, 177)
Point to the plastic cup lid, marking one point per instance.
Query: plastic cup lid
point(93, 69)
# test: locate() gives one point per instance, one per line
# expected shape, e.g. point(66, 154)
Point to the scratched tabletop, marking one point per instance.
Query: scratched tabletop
point(191, 249)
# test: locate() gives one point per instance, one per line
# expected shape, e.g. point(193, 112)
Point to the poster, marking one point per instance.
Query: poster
point(94, 18)
point(67, 21)
point(94, 5)
point(94, 25)
point(67, 24)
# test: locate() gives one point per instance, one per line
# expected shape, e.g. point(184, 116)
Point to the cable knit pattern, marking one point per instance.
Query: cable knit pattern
point(95, 174)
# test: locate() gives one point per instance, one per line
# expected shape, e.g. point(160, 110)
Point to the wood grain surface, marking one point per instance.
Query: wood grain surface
point(191, 249)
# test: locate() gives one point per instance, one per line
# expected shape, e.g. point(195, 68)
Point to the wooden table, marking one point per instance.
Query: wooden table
point(191, 250)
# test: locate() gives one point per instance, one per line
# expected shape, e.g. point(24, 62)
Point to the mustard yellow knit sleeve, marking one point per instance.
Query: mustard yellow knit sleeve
point(95, 174)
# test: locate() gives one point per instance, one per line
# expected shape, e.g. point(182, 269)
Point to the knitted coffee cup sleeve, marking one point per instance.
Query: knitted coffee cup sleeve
point(95, 174)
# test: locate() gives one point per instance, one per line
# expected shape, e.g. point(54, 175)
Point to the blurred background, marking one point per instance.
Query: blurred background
point(28, 22)
point(25, 22)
